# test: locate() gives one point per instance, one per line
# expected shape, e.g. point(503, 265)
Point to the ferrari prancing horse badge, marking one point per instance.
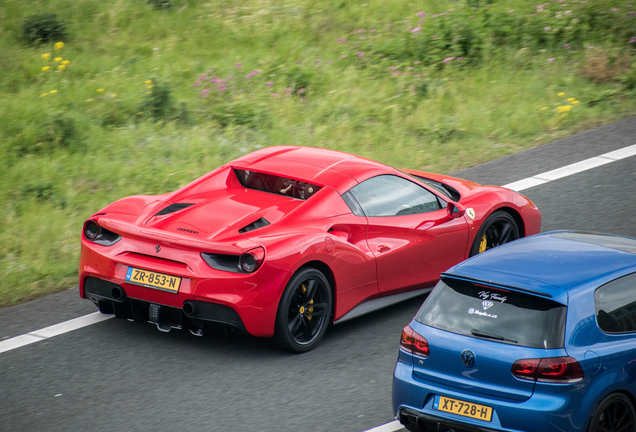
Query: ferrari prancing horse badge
point(470, 213)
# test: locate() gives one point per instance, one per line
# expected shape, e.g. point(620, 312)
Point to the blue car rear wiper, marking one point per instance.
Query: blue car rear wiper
point(480, 333)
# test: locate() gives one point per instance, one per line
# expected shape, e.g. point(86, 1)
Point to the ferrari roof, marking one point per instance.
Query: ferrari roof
point(326, 167)
point(564, 259)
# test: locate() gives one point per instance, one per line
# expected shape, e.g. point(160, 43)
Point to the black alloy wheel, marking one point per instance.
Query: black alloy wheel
point(304, 311)
point(497, 229)
point(615, 413)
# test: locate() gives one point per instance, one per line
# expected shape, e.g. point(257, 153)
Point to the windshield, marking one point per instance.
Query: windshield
point(492, 313)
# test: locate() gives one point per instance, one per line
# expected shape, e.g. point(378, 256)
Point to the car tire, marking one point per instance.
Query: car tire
point(304, 311)
point(615, 412)
point(497, 229)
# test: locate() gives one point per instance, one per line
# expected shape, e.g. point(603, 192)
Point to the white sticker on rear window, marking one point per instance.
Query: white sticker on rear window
point(474, 311)
point(487, 295)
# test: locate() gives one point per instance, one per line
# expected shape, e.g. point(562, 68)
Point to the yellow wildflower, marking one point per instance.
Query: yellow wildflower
point(58, 59)
point(150, 86)
point(46, 56)
point(564, 115)
point(561, 94)
point(88, 100)
point(46, 69)
point(43, 94)
point(140, 113)
point(544, 108)
point(148, 92)
point(148, 82)
point(185, 70)
point(61, 67)
point(65, 62)
point(113, 95)
point(570, 99)
point(59, 45)
point(53, 91)
point(575, 102)
point(100, 90)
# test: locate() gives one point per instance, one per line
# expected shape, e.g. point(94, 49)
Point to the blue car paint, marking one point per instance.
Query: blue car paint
point(567, 271)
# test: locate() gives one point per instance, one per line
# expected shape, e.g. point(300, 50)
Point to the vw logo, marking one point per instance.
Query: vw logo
point(468, 358)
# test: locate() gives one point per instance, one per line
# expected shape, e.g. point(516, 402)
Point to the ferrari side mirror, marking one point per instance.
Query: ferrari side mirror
point(455, 210)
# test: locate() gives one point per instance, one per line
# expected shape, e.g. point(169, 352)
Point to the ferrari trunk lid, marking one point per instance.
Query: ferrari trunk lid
point(226, 211)
point(477, 332)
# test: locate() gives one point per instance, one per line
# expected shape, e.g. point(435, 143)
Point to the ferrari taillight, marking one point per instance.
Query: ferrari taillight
point(414, 343)
point(91, 229)
point(562, 370)
point(252, 259)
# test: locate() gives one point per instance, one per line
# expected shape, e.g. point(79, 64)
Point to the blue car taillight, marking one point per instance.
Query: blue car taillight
point(414, 343)
point(563, 370)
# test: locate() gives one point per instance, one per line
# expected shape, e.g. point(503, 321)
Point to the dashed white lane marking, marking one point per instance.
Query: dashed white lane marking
point(574, 168)
point(388, 427)
point(93, 318)
point(54, 330)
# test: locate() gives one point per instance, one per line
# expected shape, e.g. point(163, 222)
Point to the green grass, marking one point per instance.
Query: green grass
point(66, 154)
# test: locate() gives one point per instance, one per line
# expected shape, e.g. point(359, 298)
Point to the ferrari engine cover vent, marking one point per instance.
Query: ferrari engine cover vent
point(173, 208)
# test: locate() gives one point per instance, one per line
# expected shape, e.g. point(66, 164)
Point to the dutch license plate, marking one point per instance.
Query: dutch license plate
point(153, 280)
point(463, 408)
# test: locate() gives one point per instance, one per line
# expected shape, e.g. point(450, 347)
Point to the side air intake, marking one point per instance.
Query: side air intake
point(173, 208)
point(260, 223)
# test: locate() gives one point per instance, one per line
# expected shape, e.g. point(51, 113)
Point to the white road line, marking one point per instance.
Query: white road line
point(572, 169)
point(388, 427)
point(86, 320)
point(54, 330)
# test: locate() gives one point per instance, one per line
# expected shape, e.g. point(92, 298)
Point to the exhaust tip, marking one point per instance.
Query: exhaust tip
point(118, 293)
point(189, 308)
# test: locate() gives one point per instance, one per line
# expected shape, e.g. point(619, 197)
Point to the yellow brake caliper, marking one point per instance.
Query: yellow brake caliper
point(482, 245)
point(310, 309)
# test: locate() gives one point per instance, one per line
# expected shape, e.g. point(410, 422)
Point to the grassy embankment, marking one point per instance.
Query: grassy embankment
point(436, 90)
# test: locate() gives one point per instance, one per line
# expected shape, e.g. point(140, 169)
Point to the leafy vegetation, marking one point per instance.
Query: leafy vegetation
point(148, 95)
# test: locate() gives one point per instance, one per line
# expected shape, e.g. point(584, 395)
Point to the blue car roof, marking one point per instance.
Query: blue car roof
point(554, 262)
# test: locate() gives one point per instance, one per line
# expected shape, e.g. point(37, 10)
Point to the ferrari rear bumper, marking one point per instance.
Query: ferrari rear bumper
point(112, 298)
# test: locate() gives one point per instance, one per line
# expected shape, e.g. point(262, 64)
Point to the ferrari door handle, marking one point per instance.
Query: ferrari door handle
point(382, 248)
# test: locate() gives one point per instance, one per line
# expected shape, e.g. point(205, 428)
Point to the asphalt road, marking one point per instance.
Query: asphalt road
point(118, 375)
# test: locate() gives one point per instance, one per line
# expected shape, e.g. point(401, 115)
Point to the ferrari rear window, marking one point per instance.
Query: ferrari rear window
point(493, 313)
point(276, 184)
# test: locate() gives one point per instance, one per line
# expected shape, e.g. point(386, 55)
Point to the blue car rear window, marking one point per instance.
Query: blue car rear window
point(493, 313)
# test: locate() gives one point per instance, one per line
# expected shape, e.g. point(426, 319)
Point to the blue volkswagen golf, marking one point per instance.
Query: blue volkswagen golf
point(536, 335)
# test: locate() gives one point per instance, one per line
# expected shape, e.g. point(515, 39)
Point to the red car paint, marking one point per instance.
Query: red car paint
point(363, 257)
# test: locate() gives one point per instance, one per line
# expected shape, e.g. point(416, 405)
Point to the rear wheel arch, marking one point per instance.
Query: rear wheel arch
point(325, 270)
point(605, 402)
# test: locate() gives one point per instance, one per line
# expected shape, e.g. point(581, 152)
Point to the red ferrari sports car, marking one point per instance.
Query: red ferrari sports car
point(284, 241)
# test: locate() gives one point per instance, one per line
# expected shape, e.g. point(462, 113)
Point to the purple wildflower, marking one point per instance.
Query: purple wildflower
point(344, 56)
point(434, 36)
point(269, 83)
point(416, 29)
point(222, 87)
point(302, 90)
point(238, 65)
point(371, 31)
point(446, 60)
point(421, 14)
point(274, 95)
point(590, 47)
point(551, 59)
point(511, 11)
point(360, 54)
point(395, 73)
point(615, 10)
point(631, 13)
point(417, 62)
point(318, 60)
point(205, 92)
point(371, 77)
point(340, 40)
